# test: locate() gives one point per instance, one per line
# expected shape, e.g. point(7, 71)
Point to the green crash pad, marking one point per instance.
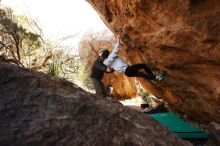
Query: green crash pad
point(177, 125)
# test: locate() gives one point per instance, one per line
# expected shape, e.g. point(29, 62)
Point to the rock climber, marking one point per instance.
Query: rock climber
point(119, 64)
point(97, 73)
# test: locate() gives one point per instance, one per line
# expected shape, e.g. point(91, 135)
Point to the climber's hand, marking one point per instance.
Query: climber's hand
point(109, 69)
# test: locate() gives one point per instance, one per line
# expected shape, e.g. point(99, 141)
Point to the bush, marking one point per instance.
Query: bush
point(83, 76)
point(145, 96)
point(54, 68)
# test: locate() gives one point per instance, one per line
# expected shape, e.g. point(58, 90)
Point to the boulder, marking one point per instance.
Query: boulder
point(47, 111)
point(181, 37)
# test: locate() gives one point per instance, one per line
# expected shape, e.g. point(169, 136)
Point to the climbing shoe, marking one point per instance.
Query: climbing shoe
point(160, 77)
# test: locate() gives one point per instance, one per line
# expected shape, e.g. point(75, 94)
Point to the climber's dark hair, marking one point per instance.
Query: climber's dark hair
point(104, 53)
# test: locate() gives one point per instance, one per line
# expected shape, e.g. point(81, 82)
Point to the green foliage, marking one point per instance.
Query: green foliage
point(83, 76)
point(145, 96)
point(54, 68)
point(20, 38)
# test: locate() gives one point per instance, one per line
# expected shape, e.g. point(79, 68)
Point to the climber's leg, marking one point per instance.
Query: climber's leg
point(144, 75)
point(99, 87)
point(133, 71)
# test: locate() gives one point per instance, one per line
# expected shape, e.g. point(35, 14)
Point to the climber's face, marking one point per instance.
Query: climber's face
point(102, 58)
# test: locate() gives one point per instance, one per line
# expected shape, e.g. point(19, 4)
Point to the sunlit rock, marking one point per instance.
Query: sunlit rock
point(181, 37)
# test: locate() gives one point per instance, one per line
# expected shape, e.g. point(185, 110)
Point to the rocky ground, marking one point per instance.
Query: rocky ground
point(39, 110)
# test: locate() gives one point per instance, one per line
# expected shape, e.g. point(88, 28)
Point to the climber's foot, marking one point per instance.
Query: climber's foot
point(161, 76)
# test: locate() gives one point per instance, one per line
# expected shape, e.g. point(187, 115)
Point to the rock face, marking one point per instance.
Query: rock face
point(181, 37)
point(37, 110)
point(214, 134)
point(89, 47)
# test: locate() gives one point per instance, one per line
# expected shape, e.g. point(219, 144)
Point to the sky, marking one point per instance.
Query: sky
point(60, 18)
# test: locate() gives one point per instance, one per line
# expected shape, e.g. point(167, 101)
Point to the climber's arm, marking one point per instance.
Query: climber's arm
point(99, 66)
point(112, 56)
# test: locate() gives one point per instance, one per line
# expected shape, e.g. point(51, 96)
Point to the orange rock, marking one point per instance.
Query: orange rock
point(181, 37)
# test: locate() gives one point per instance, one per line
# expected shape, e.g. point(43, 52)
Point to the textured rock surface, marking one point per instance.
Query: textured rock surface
point(214, 134)
point(36, 110)
point(181, 37)
point(89, 47)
